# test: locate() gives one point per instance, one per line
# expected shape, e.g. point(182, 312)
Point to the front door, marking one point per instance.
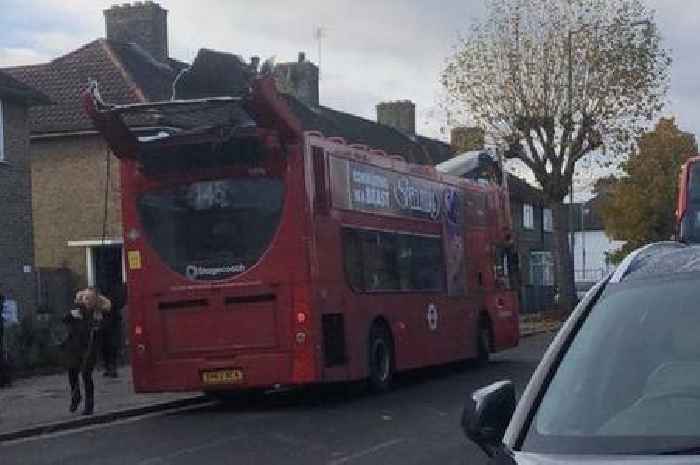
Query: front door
point(107, 263)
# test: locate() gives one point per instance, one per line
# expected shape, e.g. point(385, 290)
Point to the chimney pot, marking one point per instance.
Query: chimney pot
point(299, 79)
point(399, 114)
point(141, 23)
point(466, 139)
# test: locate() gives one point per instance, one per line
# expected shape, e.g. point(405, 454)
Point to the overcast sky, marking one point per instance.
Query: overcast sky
point(373, 50)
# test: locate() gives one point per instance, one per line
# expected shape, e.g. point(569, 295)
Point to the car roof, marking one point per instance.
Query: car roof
point(658, 259)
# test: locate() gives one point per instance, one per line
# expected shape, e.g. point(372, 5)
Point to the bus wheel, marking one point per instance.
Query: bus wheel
point(381, 359)
point(483, 342)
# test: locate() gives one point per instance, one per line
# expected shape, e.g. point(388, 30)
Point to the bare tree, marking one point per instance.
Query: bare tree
point(552, 81)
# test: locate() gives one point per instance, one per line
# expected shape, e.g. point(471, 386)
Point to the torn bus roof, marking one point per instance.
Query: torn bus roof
point(176, 121)
point(215, 74)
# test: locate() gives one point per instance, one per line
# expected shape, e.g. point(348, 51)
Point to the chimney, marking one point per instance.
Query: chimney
point(255, 63)
point(466, 139)
point(141, 23)
point(400, 115)
point(299, 79)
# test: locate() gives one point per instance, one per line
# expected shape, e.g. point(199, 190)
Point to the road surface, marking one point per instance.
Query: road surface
point(417, 423)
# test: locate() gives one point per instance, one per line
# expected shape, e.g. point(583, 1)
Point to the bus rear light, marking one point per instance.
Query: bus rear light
point(138, 330)
point(301, 337)
point(301, 318)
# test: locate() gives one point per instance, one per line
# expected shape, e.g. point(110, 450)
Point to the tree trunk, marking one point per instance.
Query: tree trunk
point(563, 263)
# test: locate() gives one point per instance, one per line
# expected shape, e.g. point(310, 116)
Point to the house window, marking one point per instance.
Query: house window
point(541, 269)
point(547, 224)
point(506, 267)
point(2, 134)
point(528, 216)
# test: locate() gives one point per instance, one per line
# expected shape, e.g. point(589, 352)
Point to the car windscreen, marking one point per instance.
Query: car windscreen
point(213, 229)
point(630, 380)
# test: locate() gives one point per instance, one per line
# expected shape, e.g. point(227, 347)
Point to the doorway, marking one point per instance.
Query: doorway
point(107, 275)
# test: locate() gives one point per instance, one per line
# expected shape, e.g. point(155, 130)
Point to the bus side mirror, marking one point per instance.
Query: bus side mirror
point(487, 414)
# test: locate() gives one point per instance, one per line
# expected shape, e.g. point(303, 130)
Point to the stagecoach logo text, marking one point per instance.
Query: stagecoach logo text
point(194, 271)
point(411, 196)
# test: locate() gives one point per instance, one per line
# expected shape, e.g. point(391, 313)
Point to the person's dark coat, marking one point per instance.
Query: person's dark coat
point(81, 345)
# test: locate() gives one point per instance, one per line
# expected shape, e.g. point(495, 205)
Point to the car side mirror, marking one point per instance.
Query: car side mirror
point(487, 414)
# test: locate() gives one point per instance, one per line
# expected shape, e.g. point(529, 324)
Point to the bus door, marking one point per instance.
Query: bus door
point(502, 302)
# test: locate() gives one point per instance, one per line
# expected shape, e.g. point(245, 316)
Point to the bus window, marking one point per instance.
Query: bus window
point(384, 261)
point(212, 229)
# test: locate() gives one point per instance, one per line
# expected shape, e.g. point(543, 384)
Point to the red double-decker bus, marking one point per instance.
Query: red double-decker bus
point(261, 255)
point(688, 202)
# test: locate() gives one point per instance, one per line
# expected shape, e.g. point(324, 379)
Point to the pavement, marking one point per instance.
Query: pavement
point(538, 323)
point(418, 422)
point(39, 404)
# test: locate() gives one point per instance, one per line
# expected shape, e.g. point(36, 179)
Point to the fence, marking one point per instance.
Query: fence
point(536, 299)
point(591, 275)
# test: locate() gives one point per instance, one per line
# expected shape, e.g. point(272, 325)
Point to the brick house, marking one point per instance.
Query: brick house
point(17, 279)
point(76, 181)
point(75, 189)
point(532, 227)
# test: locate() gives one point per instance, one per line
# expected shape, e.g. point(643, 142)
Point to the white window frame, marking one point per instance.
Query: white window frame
point(547, 220)
point(528, 216)
point(545, 262)
point(2, 133)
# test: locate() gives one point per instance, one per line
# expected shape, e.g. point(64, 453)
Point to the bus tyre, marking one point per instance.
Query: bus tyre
point(381, 359)
point(483, 343)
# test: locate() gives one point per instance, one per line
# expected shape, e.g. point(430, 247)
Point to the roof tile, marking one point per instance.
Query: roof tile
point(124, 74)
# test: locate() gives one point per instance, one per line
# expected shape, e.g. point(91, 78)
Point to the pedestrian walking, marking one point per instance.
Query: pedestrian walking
point(82, 345)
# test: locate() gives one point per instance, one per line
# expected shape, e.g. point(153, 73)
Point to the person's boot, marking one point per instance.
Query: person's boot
point(74, 400)
point(89, 406)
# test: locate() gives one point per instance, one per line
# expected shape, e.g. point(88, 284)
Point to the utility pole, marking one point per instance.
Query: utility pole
point(584, 212)
point(570, 121)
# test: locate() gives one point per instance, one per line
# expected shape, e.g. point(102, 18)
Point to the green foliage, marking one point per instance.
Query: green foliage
point(640, 206)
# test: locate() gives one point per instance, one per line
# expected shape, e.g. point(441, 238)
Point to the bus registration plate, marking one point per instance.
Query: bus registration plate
point(234, 376)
